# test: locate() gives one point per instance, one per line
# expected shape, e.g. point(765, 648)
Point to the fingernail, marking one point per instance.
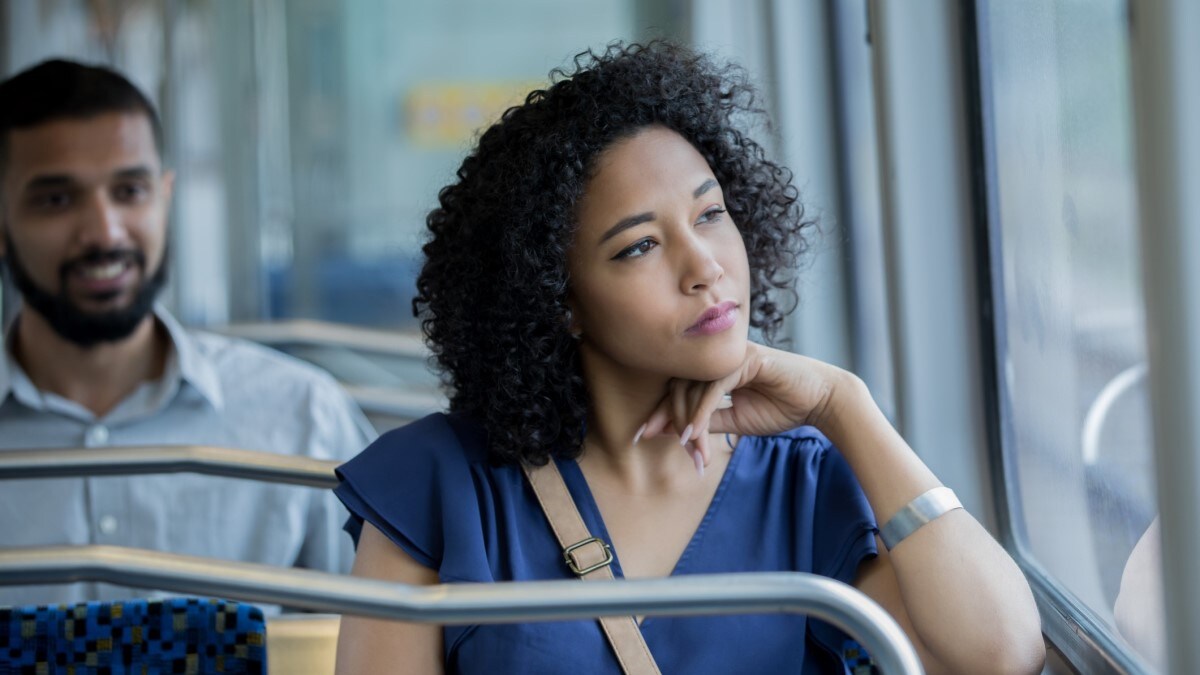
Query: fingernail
point(686, 435)
point(699, 460)
point(638, 436)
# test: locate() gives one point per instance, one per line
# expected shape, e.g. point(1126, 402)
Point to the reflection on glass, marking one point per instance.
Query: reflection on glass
point(1140, 608)
point(1072, 340)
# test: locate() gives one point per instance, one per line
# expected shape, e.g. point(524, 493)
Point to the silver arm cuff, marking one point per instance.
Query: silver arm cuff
point(929, 506)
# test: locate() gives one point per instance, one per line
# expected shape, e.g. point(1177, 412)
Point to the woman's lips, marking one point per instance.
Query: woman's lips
point(716, 319)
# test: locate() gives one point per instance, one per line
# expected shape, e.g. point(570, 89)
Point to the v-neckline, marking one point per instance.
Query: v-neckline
point(590, 511)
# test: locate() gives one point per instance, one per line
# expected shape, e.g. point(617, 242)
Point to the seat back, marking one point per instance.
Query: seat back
point(303, 644)
point(175, 635)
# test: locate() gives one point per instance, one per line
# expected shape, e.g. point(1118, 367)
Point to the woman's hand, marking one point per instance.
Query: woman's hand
point(772, 391)
point(937, 580)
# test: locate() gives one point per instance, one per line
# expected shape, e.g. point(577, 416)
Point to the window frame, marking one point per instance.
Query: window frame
point(1166, 106)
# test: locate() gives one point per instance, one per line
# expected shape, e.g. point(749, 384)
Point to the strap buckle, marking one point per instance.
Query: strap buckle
point(574, 564)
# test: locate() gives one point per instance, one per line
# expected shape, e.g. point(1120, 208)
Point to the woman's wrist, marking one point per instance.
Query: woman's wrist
point(848, 404)
point(890, 472)
point(845, 394)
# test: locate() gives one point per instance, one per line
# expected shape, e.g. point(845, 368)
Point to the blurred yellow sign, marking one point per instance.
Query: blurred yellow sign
point(448, 115)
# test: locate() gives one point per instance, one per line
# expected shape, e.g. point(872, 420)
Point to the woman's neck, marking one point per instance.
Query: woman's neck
point(621, 402)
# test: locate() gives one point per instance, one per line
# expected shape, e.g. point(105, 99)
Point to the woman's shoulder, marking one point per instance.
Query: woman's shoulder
point(414, 485)
point(802, 454)
point(806, 440)
point(440, 439)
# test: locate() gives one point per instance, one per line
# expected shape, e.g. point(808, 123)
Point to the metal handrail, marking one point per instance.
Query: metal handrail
point(266, 467)
point(399, 402)
point(304, 331)
point(396, 402)
point(504, 602)
point(1097, 412)
point(827, 599)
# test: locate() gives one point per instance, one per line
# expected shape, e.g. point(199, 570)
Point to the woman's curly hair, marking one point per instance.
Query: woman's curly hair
point(492, 293)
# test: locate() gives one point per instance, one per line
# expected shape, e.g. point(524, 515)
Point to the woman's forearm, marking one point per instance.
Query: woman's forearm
point(967, 600)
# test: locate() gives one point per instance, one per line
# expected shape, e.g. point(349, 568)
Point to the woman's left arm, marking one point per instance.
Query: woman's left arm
point(955, 591)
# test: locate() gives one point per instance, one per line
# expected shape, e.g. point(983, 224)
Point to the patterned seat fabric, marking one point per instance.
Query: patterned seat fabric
point(177, 635)
point(856, 659)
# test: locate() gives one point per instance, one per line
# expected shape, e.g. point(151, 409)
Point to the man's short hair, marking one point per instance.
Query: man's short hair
point(60, 89)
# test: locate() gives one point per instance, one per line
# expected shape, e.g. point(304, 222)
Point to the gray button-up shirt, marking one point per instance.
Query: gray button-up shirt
point(215, 391)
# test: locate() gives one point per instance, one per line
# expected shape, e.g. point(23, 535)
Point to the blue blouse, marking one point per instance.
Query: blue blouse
point(785, 503)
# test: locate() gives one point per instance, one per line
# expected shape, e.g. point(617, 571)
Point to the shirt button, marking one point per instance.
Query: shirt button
point(108, 524)
point(97, 435)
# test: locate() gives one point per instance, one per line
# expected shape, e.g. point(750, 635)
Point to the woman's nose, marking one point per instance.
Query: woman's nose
point(701, 270)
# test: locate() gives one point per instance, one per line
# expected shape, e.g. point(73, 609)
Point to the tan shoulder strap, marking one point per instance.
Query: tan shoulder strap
point(589, 558)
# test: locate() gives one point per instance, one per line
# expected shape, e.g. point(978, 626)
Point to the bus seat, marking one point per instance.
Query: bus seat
point(303, 644)
point(174, 635)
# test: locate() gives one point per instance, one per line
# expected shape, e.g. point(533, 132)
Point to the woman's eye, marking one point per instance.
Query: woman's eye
point(712, 215)
point(637, 250)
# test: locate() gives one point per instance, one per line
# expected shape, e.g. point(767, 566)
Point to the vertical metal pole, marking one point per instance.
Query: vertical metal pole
point(168, 113)
point(240, 93)
point(925, 187)
point(1167, 107)
point(19, 28)
point(803, 97)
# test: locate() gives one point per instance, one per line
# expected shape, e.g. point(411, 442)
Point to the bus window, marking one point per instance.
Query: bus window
point(310, 137)
point(1070, 339)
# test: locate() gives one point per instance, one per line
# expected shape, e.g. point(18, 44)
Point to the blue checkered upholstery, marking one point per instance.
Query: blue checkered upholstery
point(178, 635)
point(856, 659)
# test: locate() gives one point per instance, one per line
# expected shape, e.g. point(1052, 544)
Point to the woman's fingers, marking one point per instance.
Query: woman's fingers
point(670, 415)
point(705, 402)
point(680, 407)
point(700, 453)
point(691, 409)
point(674, 414)
point(715, 403)
point(658, 422)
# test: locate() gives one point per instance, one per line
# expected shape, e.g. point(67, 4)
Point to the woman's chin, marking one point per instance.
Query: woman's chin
point(717, 362)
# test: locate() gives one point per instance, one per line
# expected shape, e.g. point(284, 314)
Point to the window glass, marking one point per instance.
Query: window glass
point(384, 98)
point(1072, 344)
point(310, 137)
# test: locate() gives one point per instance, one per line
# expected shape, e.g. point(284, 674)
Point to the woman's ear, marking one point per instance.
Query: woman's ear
point(571, 319)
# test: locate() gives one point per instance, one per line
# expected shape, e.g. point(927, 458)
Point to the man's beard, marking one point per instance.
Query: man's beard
point(83, 328)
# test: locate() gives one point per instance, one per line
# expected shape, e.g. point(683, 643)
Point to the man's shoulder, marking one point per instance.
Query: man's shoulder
point(251, 364)
point(257, 382)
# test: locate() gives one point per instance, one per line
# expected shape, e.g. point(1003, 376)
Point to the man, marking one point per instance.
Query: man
point(91, 361)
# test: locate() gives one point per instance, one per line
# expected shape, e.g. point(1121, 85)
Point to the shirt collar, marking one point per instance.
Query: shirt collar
point(184, 362)
point(192, 366)
point(11, 376)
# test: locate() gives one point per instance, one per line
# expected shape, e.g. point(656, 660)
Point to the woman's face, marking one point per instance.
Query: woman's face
point(660, 282)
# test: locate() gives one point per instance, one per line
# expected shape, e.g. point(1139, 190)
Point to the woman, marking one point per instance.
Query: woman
point(590, 283)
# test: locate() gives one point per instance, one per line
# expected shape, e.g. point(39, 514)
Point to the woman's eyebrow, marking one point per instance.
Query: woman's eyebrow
point(626, 223)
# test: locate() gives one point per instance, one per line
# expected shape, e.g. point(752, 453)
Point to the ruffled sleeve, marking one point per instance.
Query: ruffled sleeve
point(844, 523)
point(843, 536)
point(416, 486)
